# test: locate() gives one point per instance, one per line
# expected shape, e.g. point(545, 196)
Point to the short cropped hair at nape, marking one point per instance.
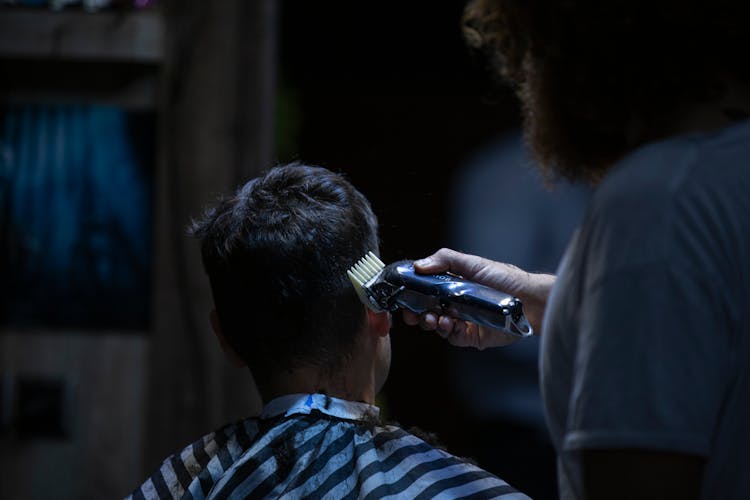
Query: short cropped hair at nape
point(276, 254)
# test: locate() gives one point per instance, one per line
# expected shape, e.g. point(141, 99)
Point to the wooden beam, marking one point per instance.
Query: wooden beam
point(216, 132)
point(128, 36)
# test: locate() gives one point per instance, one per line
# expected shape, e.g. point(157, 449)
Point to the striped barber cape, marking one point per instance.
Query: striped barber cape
point(315, 446)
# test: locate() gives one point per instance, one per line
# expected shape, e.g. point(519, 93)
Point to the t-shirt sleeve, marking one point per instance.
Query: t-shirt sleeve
point(653, 358)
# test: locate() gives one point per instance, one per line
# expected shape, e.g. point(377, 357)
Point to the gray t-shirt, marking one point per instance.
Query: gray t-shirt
point(647, 333)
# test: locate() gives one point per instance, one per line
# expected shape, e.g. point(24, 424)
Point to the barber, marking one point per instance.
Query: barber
point(645, 352)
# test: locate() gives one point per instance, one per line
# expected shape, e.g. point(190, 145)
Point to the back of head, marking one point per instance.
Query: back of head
point(276, 254)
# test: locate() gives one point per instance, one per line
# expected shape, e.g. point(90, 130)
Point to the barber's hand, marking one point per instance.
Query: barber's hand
point(532, 289)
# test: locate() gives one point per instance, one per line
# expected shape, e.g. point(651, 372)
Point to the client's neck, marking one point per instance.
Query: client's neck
point(358, 375)
point(352, 382)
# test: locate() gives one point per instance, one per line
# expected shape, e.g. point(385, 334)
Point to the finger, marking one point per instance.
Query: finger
point(457, 334)
point(410, 318)
point(445, 259)
point(430, 265)
point(485, 337)
point(441, 261)
point(428, 321)
point(460, 328)
point(445, 326)
point(460, 337)
point(474, 334)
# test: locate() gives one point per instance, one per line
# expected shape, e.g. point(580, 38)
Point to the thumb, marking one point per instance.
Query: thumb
point(446, 259)
point(430, 264)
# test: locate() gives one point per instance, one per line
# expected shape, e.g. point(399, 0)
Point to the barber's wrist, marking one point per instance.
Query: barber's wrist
point(535, 296)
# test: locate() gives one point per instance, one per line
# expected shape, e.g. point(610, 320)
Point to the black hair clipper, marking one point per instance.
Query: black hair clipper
point(387, 287)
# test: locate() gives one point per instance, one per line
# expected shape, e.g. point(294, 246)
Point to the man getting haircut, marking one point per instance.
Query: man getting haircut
point(276, 254)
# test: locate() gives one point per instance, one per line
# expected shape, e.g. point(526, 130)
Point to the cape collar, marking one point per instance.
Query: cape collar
point(302, 404)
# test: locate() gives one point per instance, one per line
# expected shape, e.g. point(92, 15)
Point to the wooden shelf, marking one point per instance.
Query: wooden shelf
point(111, 36)
point(17, 333)
point(128, 85)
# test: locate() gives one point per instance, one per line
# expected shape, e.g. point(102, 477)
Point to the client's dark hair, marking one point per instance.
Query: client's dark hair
point(276, 254)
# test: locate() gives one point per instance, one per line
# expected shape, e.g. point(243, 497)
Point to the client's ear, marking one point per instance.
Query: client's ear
point(380, 322)
point(231, 354)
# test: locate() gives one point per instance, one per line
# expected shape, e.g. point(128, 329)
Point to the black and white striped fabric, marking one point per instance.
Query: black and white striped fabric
point(315, 446)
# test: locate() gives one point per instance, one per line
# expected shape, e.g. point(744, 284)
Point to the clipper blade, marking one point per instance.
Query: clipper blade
point(362, 273)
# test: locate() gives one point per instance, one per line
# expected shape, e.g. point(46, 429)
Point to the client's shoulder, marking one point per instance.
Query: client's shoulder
point(198, 465)
point(414, 464)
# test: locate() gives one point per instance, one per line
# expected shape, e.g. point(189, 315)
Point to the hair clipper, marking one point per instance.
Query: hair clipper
point(389, 287)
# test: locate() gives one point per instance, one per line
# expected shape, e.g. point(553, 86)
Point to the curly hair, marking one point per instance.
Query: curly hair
point(599, 78)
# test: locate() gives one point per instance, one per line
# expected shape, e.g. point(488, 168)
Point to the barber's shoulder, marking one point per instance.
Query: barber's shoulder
point(648, 173)
point(628, 221)
point(643, 189)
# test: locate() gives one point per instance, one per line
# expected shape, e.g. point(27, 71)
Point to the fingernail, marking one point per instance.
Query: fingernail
point(423, 262)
